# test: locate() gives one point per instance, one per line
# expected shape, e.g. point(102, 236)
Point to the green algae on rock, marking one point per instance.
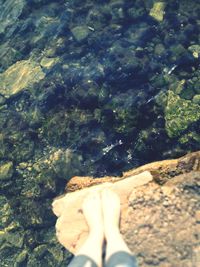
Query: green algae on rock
point(158, 10)
point(159, 49)
point(5, 213)
point(191, 136)
point(8, 55)
point(196, 99)
point(6, 170)
point(195, 49)
point(14, 239)
point(179, 114)
point(20, 76)
point(10, 12)
point(80, 33)
point(48, 63)
point(177, 86)
point(21, 258)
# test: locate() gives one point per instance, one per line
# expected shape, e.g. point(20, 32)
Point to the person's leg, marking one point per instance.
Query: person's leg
point(92, 248)
point(117, 252)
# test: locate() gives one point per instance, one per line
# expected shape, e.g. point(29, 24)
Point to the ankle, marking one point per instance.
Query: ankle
point(112, 232)
point(97, 235)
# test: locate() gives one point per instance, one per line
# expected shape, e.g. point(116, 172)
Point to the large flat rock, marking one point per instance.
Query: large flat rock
point(73, 229)
point(20, 76)
point(163, 226)
point(160, 211)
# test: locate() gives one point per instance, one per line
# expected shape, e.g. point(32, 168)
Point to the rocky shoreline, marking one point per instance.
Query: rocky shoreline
point(160, 218)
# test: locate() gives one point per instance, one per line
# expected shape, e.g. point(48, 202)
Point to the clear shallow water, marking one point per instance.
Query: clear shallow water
point(107, 86)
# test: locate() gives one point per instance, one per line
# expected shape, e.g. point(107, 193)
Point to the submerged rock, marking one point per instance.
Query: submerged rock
point(158, 10)
point(10, 12)
point(48, 63)
point(195, 49)
point(80, 33)
point(21, 258)
point(196, 99)
point(6, 170)
point(20, 76)
point(6, 214)
point(179, 114)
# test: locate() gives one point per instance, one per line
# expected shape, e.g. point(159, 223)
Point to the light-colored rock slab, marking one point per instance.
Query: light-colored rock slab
point(158, 10)
point(20, 76)
point(71, 227)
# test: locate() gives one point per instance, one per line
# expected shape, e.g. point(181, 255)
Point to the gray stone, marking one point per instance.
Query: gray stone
point(80, 33)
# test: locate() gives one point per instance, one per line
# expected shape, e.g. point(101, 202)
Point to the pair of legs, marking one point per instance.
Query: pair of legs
point(102, 212)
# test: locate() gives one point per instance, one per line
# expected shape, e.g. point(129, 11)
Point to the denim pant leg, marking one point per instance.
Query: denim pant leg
point(80, 261)
point(122, 259)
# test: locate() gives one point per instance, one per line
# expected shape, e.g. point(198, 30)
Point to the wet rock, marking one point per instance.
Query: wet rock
point(6, 170)
point(19, 77)
point(195, 49)
point(124, 113)
point(8, 55)
point(5, 212)
point(21, 259)
point(179, 114)
point(136, 13)
point(117, 10)
point(10, 13)
point(140, 34)
point(26, 149)
point(14, 239)
point(48, 63)
point(157, 11)
point(188, 93)
point(64, 163)
point(40, 251)
point(38, 217)
point(52, 255)
point(80, 33)
point(196, 99)
point(189, 137)
point(2, 100)
point(57, 253)
point(178, 52)
point(159, 49)
point(178, 86)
